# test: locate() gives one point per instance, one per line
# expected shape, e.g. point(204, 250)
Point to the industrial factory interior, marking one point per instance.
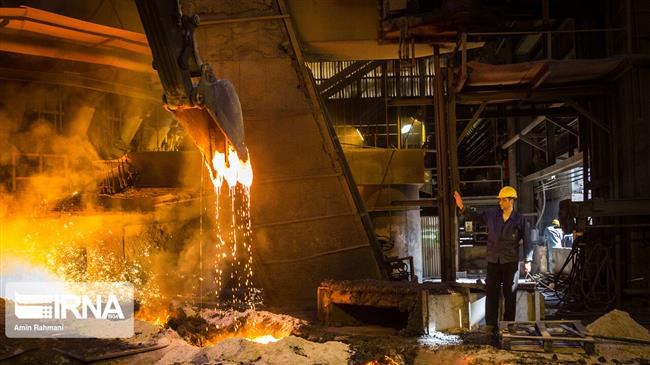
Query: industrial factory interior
point(325, 182)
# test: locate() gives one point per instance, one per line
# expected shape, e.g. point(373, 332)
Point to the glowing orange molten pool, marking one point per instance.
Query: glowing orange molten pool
point(385, 360)
point(155, 314)
point(265, 339)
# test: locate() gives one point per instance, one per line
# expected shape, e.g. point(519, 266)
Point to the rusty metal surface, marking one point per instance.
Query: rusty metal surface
point(307, 226)
point(544, 73)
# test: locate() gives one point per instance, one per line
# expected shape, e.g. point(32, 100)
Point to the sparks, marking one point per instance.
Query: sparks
point(233, 241)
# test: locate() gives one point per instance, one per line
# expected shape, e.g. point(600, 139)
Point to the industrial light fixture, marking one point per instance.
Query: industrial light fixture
point(406, 128)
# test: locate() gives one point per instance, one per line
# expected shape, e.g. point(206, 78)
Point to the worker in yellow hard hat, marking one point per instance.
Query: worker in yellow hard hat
point(506, 228)
point(553, 235)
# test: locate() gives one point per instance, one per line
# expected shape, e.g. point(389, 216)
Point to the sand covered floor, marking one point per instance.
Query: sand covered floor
point(193, 336)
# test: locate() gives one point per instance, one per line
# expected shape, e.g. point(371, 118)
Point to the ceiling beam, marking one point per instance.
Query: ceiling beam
point(563, 125)
point(488, 113)
point(501, 112)
point(540, 76)
point(471, 123)
point(410, 101)
point(555, 169)
point(532, 143)
point(79, 81)
point(520, 136)
point(551, 94)
point(585, 113)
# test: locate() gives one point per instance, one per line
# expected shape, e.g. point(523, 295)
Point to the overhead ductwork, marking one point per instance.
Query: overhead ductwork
point(34, 32)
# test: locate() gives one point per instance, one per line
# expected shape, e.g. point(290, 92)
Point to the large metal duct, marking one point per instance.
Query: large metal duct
point(309, 223)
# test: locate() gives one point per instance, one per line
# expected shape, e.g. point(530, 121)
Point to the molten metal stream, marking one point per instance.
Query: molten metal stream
point(234, 233)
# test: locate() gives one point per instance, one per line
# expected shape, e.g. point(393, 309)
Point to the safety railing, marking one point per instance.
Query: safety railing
point(114, 176)
point(25, 166)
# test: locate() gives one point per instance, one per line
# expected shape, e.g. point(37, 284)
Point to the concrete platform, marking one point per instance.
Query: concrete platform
point(415, 308)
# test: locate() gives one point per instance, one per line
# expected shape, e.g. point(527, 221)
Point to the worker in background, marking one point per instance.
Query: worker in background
point(567, 241)
point(553, 236)
point(505, 228)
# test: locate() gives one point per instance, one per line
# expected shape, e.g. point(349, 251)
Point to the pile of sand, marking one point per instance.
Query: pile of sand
point(618, 324)
point(289, 350)
point(209, 336)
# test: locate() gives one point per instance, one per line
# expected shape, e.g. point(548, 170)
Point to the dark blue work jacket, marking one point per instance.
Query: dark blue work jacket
point(503, 237)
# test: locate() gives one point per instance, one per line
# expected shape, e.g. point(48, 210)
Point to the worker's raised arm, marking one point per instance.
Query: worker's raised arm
point(469, 213)
point(459, 201)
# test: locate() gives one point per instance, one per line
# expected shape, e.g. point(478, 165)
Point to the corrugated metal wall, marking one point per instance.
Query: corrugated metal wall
point(400, 82)
point(430, 248)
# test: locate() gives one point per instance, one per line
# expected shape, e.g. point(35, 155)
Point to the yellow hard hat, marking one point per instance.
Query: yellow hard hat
point(556, 222)
point(507, 192)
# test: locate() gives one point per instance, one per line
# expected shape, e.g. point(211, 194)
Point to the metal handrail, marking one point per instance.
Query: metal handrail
point(15, 161)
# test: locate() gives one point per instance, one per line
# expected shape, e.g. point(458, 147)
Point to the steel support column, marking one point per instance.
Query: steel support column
point(550, 144)
point(453, 162)
point(448, 247)
point(453, 145)
point(512, 153)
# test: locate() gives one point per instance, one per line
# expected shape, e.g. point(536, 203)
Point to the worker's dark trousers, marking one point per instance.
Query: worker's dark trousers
point(501, 274)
